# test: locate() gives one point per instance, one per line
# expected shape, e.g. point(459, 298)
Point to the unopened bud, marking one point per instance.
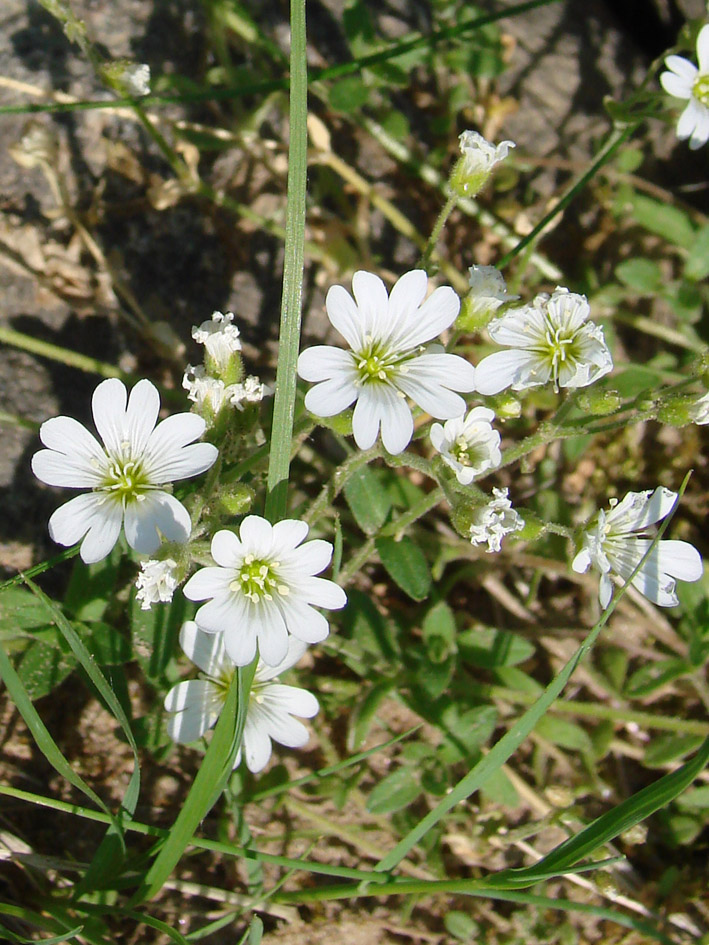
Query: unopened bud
point(236, 499)
point(600, 403)
point(473, 169)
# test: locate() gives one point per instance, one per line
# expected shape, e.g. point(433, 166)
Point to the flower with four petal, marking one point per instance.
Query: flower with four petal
point(194, 704)
point(617, 540)
point(685, 80)
point(387, 361)
point(495, 520)
point(264, 589)
point(469, 445)
point(127, 476)
point(549, 340)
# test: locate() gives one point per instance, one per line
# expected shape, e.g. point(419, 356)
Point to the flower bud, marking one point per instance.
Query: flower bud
point(600, 403)
point(127, 78)
point(506, 406)
point(236, 499)
point(473, 169)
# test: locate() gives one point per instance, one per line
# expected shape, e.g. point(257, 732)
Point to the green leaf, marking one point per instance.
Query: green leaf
point(669, 222)
point(565, 734)
point(362, 621)
point(107, 646)
point(43, 666)
point(695, 799)
point(406, 565)
point(697, 265)
point(439, 633)
point(396, 791)
point(466, 732)
point(643, 275)
point(368, 499)
point(434, 678)
point(666, 748)
point(654, 676)
point(490, 648)
point(20, 610)
point(155, 633)
point(91, 587)
point(607, 827)
point(364, 712)
point(348, 94)
point(461, 926)
point(500, 790)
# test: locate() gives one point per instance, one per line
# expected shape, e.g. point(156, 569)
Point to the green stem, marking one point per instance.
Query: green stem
point(613, 142)
point(446, 211)
point(45, 349)
point(337, 481)
point(289, 336)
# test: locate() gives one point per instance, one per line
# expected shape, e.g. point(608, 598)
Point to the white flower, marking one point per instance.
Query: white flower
point(211, 393)
point(699, 410)
point(387, 361)
point(468, 445)
point(488, 290)
point(194, 704)
point(495, 520)
point(618, 539)
point(264, 589)
point(127, 476)
point(250, 391)
point(684, 80)
point(156, 582)
point(136, 78)
point(220, 337)
point(479, 157)
point(549, 340)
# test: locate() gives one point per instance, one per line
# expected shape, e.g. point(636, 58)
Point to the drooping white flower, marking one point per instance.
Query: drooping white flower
point(136, 78)
point(699, 410)
point(495, 520)
point(194, 704)
point(617, 540)
point(469, 445)
point(387, 361)
point(549, 340)
point(685, 80)
point(479, 156)
point(220, 337)
point(249, 391)
point(156, 582)
point(127, 476)
point(209, 392)
point(488, 290)
point(264, 589)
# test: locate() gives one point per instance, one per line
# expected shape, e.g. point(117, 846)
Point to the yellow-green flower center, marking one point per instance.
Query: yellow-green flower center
point(376, 364)
point(700, 90)
point(125, 480)
point(467, 453)
point(258, 580)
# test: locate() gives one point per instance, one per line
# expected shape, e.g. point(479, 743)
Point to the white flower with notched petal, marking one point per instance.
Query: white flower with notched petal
point(264, 589)
point(469, 445)
point(618, 539)
point(127, 475)
point(495, 520)
point(549, 340)
point(156, 582)
point(387, 361)
point(194, 704)
point(488, 290)
point(684, 80)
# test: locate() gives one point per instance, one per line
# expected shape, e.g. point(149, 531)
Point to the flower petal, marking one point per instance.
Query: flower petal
point(240, 644)
point(91, 515)
point(290, 700)
point(504, 369)
point(682, 67)
point(367, 417)
point(168, 456)
point(344, 316)
point(256, 536)
point(304, 622)
point(396, 420)
point(272, 634)
point(157, 513)
point(311, 557)
point(206, 650)
point(372, 302)
point(296, 650)
point(227, 549)
point(322, 362)
point(331, 397)
point(196, 706)
point(676, 85)
point(703, 49)
point(407, 295)
point(141, 415)
point(321, 592)
point(108, 405)
point(70, 472)
point(209, 582)
point(287, 535)
point(257, 744)
point(437, 313)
